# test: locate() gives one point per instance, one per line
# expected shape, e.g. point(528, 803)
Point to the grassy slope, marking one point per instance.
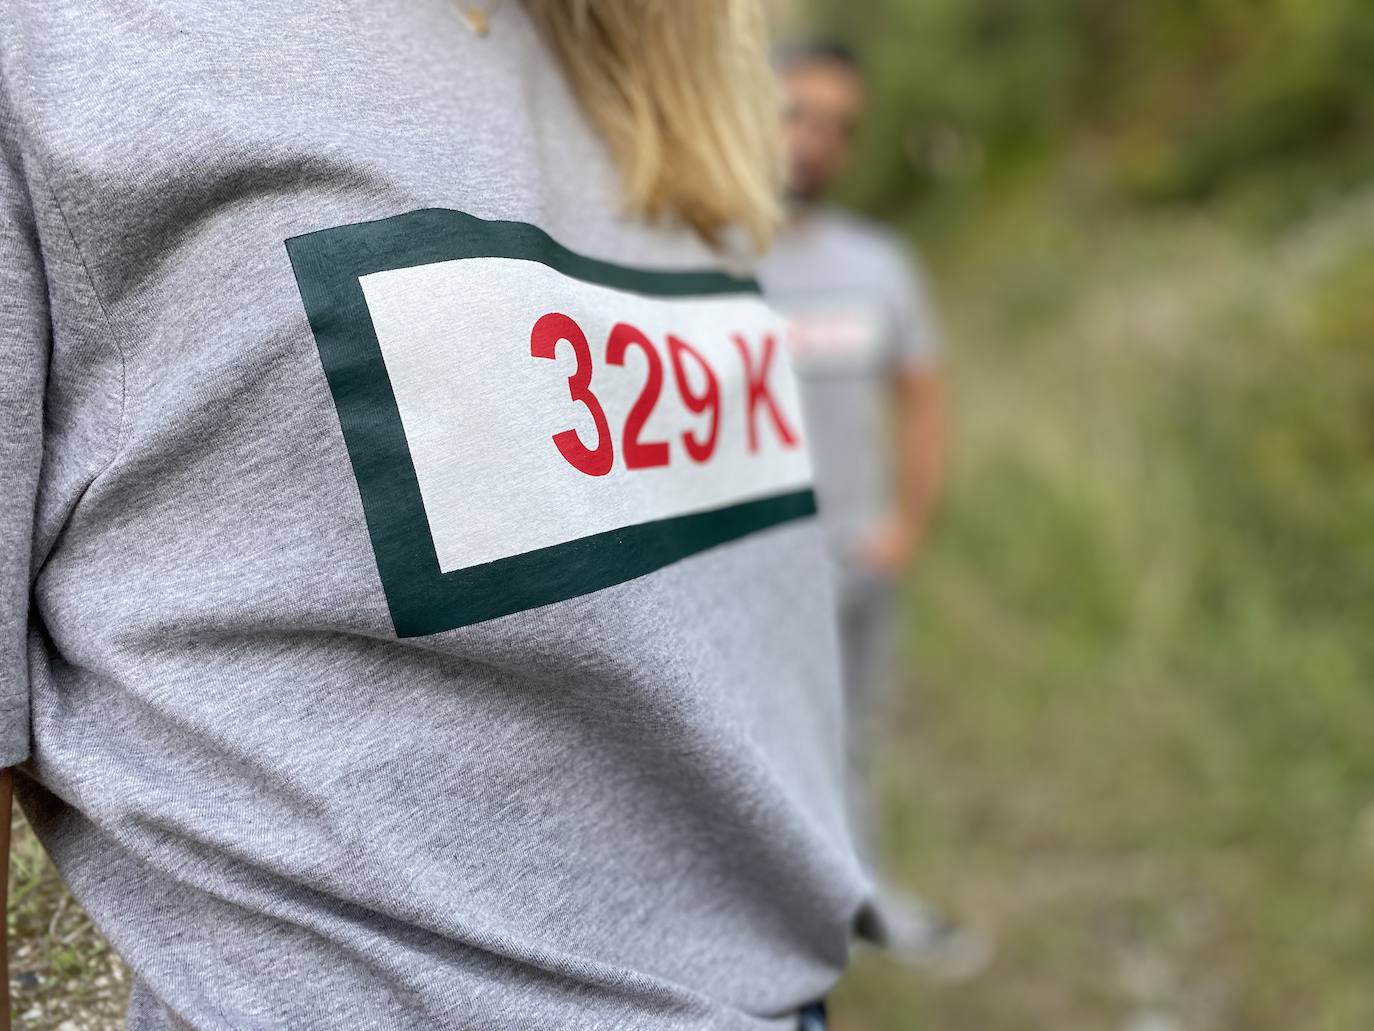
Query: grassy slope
point(1142, 744)
point(63, 976)
point(1142, 748)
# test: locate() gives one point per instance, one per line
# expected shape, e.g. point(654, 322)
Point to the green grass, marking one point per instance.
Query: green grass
point(1140, 748)
point(63, 976)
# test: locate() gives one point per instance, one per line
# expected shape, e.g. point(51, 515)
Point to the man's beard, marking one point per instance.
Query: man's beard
point(801, 195)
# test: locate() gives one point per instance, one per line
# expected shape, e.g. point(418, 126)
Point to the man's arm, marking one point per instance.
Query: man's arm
point(920, 447)
point(920, 453)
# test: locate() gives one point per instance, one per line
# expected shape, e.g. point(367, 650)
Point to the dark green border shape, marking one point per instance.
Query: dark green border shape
point(422, 599)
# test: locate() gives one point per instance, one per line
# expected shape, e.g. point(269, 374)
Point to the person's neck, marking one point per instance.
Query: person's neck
point(800, 211)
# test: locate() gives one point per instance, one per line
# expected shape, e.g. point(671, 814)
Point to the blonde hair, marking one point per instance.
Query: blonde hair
point(683, 95)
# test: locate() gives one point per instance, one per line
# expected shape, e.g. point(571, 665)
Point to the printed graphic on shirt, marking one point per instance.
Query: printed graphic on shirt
point(527, 425)
point(834, 335)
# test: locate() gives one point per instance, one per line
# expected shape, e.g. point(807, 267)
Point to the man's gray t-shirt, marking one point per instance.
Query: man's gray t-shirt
point(858, 315)
point(410, 609)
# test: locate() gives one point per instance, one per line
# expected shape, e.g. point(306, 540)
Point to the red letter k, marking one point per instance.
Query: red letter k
point(756, 380)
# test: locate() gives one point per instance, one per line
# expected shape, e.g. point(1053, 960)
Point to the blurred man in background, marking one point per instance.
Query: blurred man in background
point(863, 341)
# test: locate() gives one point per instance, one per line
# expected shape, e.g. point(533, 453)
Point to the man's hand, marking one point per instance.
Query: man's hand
point(891, 546)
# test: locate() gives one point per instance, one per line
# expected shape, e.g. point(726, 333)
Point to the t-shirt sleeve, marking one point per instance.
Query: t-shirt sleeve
point(914, 327)
point(24, 348)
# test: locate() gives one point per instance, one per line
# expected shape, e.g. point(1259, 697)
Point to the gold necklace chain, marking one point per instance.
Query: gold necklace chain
point(478, 17)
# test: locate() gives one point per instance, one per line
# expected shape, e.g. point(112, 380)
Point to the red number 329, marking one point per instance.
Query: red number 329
point(555, 328)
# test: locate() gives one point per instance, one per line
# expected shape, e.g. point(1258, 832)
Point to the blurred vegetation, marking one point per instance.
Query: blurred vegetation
point(1140, 742)
point(63, 975)
point(1179, 99)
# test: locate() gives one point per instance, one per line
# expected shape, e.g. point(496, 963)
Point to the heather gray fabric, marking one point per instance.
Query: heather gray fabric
point(867, 617)
point(860, 313)
point(623, 810)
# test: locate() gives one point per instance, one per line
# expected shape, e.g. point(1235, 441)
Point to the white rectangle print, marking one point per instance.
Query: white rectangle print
point(480, 410)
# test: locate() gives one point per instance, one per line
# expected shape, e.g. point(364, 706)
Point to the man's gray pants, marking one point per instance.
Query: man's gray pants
point(867, 623)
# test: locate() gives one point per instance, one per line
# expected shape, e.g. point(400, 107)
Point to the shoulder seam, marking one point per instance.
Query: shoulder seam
point(33, 156)
point(51, 190)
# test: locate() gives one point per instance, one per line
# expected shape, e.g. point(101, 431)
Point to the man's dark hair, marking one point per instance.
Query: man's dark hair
point(816, 50)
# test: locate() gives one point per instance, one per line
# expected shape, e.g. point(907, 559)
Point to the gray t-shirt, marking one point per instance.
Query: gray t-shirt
point(858, 314)
point(410, 609)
